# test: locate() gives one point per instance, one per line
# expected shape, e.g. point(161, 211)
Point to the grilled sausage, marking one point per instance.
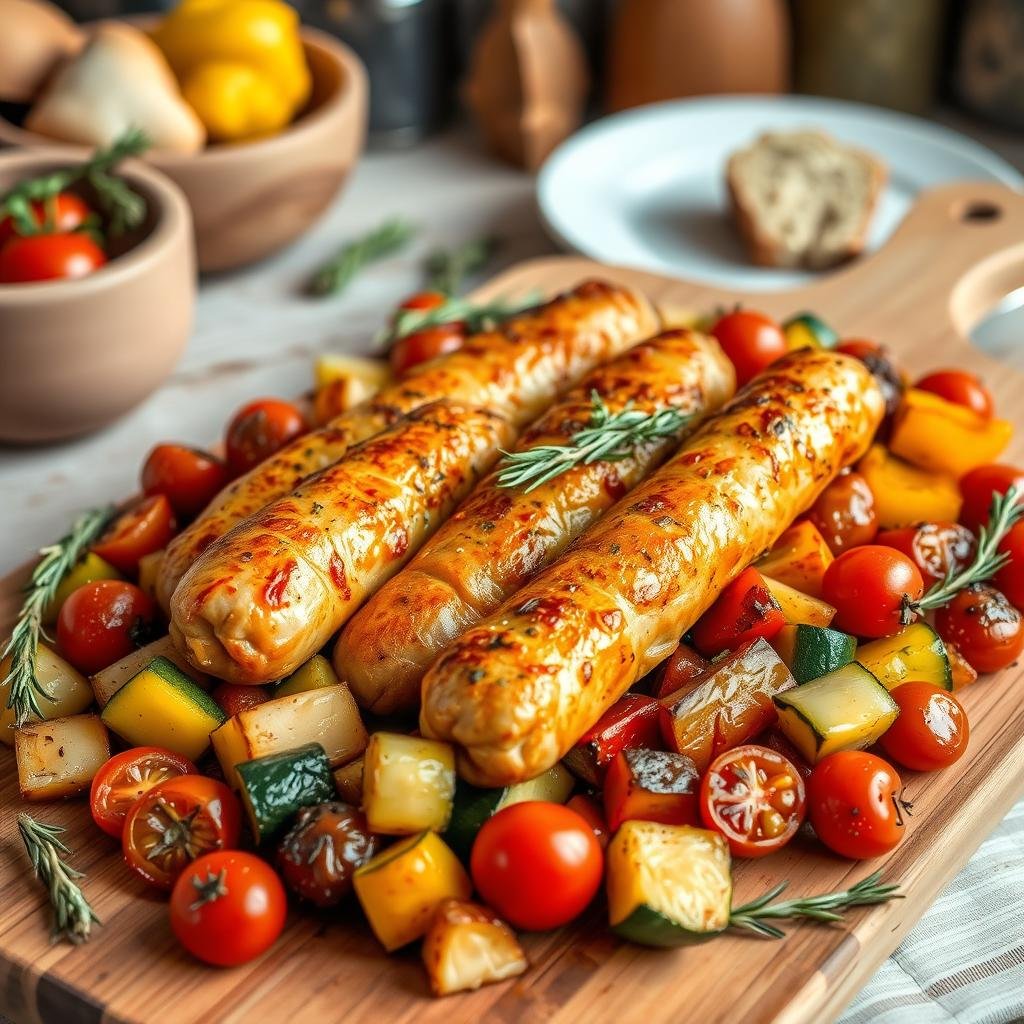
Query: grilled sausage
point(515, 369)
point(501, 536)
point(517, 690)
point(269, 594)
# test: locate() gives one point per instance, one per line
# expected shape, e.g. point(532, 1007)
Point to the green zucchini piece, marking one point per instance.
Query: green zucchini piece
point(915, 652)
point(473, 806)
point(848, 709)
point(668, 885)
point(813, 651)
point(807, 329)
point(275, 787)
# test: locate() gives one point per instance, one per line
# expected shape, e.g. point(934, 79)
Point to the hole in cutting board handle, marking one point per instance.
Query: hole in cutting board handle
point(977, 211)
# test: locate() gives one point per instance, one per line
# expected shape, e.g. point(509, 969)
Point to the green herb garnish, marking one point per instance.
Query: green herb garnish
point(336, 275)
point(448, 268)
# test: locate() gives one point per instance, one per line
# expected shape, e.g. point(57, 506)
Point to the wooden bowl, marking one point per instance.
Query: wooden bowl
point(251, 199)
point(77, 354)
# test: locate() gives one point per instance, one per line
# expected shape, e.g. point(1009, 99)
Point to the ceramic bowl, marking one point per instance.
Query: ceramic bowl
point(251, 199)
point(76, 354)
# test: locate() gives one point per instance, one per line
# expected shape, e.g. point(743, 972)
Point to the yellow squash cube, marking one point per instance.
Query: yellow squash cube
point(408, 784)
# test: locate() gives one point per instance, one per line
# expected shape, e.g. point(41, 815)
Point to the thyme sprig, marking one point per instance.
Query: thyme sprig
point(477, 316)
point(73, 917)
point(124, 208)
point(609, 436)
point(827, 907)
point(1004, 513)
point(56, 562)
point(389, 238)
point(447, 269)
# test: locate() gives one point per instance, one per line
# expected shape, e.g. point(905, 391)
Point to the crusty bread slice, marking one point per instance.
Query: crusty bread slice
point(802, 199)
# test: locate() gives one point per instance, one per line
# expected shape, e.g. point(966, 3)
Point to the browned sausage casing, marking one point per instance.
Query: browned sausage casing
point(518, 689)
point(501, 536)
point(515, 370)
point(269, 594)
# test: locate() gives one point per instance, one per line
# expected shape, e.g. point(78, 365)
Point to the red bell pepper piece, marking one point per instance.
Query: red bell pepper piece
point(744, 611)
point(651, 785)
point(682, 666)
point(631, 722)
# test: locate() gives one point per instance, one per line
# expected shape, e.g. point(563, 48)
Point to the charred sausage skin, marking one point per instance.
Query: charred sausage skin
point(501, 536)
point(517, 690)
point(269, 594)
point(516, 370)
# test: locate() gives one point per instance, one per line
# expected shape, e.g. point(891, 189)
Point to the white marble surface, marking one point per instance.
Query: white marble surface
point(256, 334)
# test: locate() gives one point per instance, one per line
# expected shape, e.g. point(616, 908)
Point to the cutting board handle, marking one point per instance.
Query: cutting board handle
point(957, 253)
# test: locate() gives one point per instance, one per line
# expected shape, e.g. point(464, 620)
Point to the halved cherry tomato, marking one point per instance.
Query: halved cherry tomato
point(751, 340)
point(845, 513)
point(424, 300)
point(28, 258)
point(935, 548)
point(931, 731)
point(233, 697)
point(176, 822)
point(260, 429)
point(853, 804)
point(755, 797)
point(228, 907)
point(876, 358)
point(961, 388)
point(188, 477)
point(744, 611)
point(867, 587)
point(1010, 579)
point(102, 621)
point(986, 629)
point(127, 777)
point(144, 528)
point(980, 485)
point(538, 864)
point(60, 214)
point(425, 344)
point(682, 666)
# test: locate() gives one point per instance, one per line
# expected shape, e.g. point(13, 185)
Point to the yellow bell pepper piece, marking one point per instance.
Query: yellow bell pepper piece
point(240, 64)
point(905, 495)
point(315, 674)
point(944, 437)
point(400, 889)
point(89, 569)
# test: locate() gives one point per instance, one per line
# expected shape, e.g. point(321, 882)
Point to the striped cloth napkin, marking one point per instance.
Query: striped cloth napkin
point(964, 962)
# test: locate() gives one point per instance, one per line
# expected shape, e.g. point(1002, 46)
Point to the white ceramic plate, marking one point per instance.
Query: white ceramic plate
point(645, 188)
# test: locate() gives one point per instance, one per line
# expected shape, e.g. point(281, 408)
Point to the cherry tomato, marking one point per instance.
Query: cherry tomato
point(426, 344)
point(176, 822)
point(751, 340)
point(876, 358)
point(233, 697)
point(538, 864)
point(127, 777)
point(424, 301)
point(845, 513)
point(860, 348)
point(60, 214)
point(986, 629)
point(744, 611)
point(187, 477)
point(852, 803)
point(49, 257)
point(980, 485)
point(260, 429)
point(935, 548)
point(682, 666)
point(867, 586)
point(228, 907)
point(102, 621)
point(144, 528)
point(931, 731)
point(1010, 579)
point(755, 798)
point(960, 388)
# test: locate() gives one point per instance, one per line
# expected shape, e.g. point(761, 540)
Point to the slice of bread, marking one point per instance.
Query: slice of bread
point(802, 199)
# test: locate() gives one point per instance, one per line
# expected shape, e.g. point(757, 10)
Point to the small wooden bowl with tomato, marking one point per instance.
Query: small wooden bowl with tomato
point(88, 330)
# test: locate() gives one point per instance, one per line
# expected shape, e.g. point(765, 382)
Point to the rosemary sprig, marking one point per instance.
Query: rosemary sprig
point(826, 907)
point(477, 316)
point(73, 917)
point(124, 208)
point(610, 436)
point(336, 275)
point(1004, 513)
point(56, 562)
point(448, 268)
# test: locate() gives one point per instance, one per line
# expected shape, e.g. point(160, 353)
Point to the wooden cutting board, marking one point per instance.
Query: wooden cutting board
point(958, 252)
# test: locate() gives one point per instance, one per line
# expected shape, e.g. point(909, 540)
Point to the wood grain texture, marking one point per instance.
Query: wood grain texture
point(919, 295)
